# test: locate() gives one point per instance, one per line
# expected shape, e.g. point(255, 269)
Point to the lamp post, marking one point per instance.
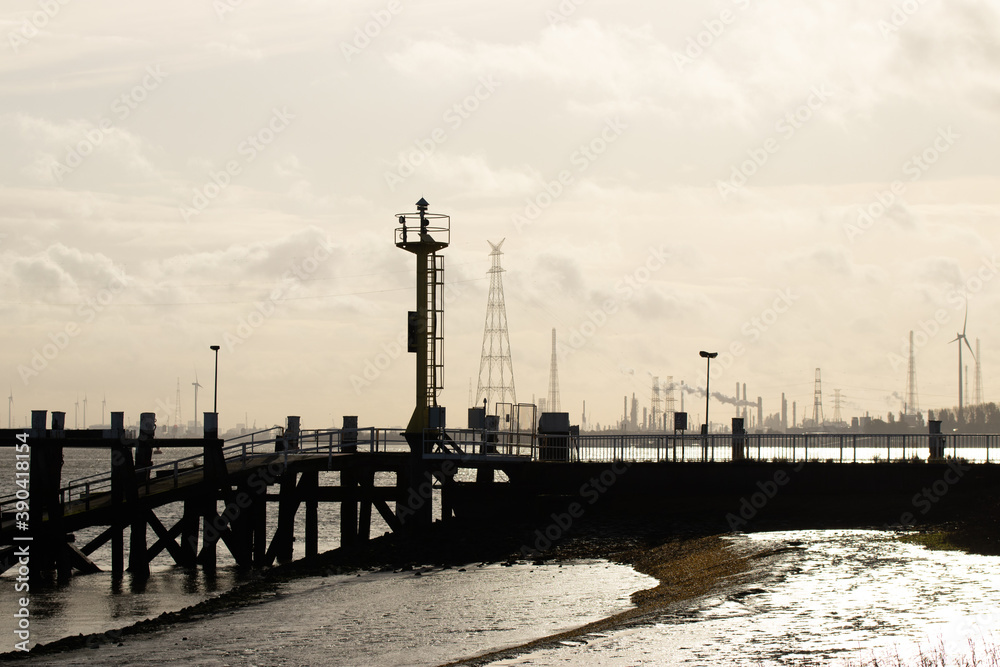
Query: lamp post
point(215, 400)
point(708, 356)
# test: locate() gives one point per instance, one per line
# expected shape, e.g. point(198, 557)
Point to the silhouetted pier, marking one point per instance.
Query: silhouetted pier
point(283, 467)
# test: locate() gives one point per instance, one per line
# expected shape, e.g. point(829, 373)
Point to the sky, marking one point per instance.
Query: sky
point(794, 185)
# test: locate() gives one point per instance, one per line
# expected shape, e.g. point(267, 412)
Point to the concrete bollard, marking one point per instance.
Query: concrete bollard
point(144, 448)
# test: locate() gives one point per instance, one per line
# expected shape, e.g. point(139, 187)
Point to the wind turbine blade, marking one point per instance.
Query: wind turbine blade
point(966, 321)
point(971, 351)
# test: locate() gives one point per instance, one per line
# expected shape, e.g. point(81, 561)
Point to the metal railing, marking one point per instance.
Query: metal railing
point(242, 452)
point(716, 447)
point(477, 443)
point(531, 446)
point(832, 447)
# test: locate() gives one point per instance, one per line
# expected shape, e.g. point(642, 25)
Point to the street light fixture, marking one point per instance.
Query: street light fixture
point(215, 400)
point(708, 356)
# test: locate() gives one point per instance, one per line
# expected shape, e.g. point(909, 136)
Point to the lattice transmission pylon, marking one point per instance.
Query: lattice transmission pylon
point(496, 370)
point(818, 402)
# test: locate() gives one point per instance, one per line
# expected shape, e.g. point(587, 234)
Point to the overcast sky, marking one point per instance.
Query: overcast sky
point(794, 185)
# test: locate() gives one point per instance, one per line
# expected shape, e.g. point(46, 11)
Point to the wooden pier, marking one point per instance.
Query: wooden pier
point(242, 478)
point(222, 494)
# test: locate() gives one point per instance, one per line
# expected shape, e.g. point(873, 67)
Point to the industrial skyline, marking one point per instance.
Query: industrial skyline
point(798, 189)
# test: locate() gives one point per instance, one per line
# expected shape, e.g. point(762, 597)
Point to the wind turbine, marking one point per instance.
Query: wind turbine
point(76, 412)
point(196, 388)
point(10, 403)
point(104, 404)
point(960, 338)
point(84, 411)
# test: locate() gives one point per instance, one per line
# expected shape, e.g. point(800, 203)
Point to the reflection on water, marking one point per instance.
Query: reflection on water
point(99, 602)
point(835, 596)
point(407, 618)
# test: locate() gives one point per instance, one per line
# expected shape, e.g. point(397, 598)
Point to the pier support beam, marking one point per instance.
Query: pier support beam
point(348, 507)
point(366, 479)
point(258, 514)
point(189, 531)
point(309, 484)
point(284, 534)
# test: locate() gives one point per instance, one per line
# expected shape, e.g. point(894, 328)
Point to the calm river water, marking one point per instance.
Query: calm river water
point(834, 597)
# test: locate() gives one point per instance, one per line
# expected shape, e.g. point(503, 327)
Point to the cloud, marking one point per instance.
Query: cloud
point(53, 151)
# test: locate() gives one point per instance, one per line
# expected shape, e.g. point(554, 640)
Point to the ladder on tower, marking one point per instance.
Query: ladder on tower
point(435, 322)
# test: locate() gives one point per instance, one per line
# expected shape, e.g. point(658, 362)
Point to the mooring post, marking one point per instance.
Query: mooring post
point(349, 435)
point(38, 478)
point(138, 560)
point(54, 462)
point(144, 445)
point(210, 531)
point(349, 483)
point(118, 449)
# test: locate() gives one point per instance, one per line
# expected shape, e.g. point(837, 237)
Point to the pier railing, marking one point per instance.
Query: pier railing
point(716, 447)
point(479, 444)
point(238, 452)
point(825, 447)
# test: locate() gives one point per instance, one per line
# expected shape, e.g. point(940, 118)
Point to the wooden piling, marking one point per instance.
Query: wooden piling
point(348, 507)
point(310, 485)
point(366, 479)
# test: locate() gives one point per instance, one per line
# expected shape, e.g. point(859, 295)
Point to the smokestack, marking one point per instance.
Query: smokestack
point(793, 414)
point(784, 412)
point(760, 412)
point(744, 401)
point(737, 398)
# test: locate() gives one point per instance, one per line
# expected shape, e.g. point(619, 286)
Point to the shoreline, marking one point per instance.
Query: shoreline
point(457, 545)
point(689, 559)
point(687, 569)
